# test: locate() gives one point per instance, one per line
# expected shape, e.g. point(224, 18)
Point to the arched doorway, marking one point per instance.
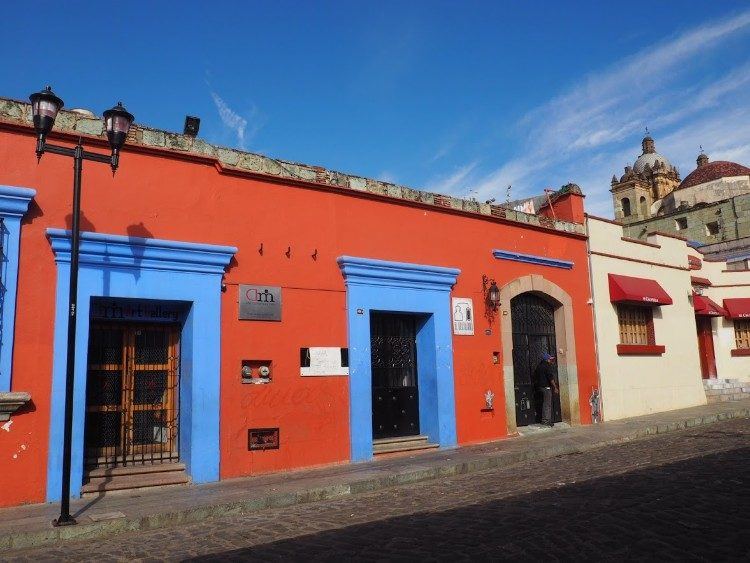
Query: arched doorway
point(567, 368)
point(533, 322)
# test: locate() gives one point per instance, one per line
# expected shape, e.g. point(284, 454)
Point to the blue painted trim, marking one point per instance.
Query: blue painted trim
point(396, 274)
point(182, 273)
point(135, 252)
point(14, 203)
point(532, 259)
point(377, 285)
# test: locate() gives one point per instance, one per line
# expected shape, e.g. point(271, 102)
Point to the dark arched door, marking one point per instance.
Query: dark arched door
point(533, 320)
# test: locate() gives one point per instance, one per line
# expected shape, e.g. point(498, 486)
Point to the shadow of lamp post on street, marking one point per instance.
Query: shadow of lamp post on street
point(44, 106)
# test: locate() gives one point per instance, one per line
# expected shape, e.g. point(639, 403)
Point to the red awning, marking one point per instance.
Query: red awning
point(637, 291)
point(695, 280)
point(738, 308)
point(705, 307)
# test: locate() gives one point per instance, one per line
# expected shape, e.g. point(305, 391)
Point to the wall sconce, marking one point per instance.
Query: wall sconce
point(491, 293)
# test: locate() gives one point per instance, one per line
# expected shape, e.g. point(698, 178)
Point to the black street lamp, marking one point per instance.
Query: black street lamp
point(45, 106)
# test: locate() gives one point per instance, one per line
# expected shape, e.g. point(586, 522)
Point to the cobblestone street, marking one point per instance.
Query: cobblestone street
point(681, 496)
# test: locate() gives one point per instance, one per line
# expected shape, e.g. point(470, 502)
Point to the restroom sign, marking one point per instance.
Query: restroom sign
point(463, 315)
point(260, 303)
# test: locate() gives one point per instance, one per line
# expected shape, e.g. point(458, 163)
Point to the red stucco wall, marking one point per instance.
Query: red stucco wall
point(157, 195)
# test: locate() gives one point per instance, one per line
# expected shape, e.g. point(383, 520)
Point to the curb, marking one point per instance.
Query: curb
point(99, 529)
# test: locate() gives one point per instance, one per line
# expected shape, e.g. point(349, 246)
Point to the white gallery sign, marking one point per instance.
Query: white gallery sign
point(463, 315)
point(324, 361)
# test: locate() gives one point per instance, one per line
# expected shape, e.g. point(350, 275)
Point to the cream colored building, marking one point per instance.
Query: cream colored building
point(644, 321)
point(672, 326)
point(729, 289)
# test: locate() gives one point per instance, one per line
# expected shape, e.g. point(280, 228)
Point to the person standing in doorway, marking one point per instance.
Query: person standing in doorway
point(544, 381)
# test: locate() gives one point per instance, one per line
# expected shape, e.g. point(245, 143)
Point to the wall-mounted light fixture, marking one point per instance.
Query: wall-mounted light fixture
point(491, 293)
point(192, 126)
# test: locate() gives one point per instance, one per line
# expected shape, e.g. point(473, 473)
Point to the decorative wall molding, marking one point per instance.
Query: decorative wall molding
point(144, 254)
point(11, 402)
point(396, 274)
point(14, 201)
point(532, 259)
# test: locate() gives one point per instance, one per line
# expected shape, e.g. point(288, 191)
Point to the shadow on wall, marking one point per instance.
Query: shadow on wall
point(33, 213)
point(84, 223)
point(135, 232)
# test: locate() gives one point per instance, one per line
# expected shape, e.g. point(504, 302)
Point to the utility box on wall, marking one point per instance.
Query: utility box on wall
point(263, 439)
point(256, 371)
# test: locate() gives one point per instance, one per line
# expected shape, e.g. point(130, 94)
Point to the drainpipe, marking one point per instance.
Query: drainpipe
point(593, 323)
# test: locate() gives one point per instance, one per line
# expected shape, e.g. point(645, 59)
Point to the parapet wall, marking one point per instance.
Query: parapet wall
point(13, 111)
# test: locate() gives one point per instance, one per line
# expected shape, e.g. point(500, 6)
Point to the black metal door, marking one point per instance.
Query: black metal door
point(533, 321)
point(395, 397)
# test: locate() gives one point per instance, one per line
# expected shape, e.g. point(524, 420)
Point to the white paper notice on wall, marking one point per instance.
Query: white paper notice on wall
point(324, 361)
point(463, 315)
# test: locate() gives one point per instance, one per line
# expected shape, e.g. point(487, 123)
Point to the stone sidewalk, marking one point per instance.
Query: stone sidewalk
point(143, 510)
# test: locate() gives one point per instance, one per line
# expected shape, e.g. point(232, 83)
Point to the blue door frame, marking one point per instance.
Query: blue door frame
point(382, 286)
point(136, 268)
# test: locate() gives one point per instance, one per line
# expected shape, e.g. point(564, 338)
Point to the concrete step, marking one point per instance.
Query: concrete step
point(135, 477)
point(136, 469)
point(724, 384)
point(712, 399)
point(401, 444)
point(733, 391)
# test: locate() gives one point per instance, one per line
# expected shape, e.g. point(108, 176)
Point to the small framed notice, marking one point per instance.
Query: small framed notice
point(324, 361)
point(463, 315)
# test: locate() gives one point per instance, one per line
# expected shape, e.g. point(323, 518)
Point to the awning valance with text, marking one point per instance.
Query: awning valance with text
point(737, 308)
point(706, 307)
point(636, 291)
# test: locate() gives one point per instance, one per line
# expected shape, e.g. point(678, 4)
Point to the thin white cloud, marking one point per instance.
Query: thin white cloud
point(442, 151)
point(231, 119)
point(580, 132)
point(456, 182)
point(386, 176)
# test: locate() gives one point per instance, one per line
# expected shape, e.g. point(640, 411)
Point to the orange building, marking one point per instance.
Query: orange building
point(241, 315)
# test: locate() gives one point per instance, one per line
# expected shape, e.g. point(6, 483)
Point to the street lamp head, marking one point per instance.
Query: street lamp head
point(117, 122)
point(44, 108)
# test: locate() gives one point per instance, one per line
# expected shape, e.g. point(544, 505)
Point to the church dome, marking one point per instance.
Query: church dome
point(713, 171)
point(649, 156)
point(650, 159)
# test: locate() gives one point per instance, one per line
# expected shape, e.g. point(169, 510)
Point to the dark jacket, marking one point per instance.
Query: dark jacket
point(544, 374)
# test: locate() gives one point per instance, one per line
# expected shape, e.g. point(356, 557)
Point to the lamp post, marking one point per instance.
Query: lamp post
point(45, 106)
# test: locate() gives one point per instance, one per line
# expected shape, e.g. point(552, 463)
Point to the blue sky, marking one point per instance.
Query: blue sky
point(456, 97)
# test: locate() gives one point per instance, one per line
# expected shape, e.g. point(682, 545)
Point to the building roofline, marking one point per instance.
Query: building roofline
point(70, 126)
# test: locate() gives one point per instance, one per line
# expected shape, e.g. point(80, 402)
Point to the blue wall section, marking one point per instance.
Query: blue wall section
point(130, 267)
point(14, 202)
point(377, 285)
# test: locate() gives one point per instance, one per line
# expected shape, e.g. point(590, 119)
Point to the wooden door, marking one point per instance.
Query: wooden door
point(132, 395)
point(706, 347)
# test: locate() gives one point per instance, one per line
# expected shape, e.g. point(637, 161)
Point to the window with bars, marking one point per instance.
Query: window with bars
point(742, 333)
point(636, 325)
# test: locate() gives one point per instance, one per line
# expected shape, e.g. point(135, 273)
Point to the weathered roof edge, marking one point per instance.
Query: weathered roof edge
point(72, 122)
